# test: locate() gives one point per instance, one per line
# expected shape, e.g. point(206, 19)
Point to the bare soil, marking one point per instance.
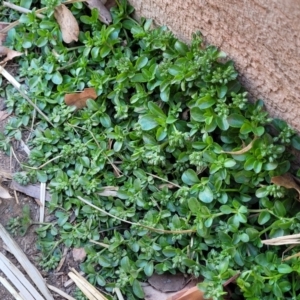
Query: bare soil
point(11, 209)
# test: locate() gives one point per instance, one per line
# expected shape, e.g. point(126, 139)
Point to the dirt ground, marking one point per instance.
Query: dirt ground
point(10, 209)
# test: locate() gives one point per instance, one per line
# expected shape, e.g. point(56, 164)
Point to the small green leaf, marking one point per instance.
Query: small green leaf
point(139, 77)
point(279, 209)
point(57, 78)
point(206, 195)
point(148, 122)
point(296, 142)
point(148, 269)
point(190, 177)
point(284, 269)
point(197, 114)
point(181, 48)
point(261, 192)
point(229, 163)
point(206, 102)
point(225, 209)
point(41, 176)
point(137, 289)
point(141, 62)
point(236, 120)
point(263, 217)
point(104, 262)
point(222, 91)
point(194, 205)
point(156, 110)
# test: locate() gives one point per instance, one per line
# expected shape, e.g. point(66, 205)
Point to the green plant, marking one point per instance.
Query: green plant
point(78, 294)
point(20, 224)
point(172, 152)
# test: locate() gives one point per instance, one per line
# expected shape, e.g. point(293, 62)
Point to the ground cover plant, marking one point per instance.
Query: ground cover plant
point(170, 169)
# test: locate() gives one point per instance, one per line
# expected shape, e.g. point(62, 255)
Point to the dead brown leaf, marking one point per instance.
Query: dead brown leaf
point(67, 23)
point(3, 115)
point(191, 294)
point(167, 282)
point(242, 151)
point(9, 53)
point(110, 3)
point(3, 35)
point(79, 254)
point(79, 99)
point(103, 12)
point(62, 261)
point(286, 180)
point(4, 194)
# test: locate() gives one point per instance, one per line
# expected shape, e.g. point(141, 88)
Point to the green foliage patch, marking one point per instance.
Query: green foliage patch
point(161, 138)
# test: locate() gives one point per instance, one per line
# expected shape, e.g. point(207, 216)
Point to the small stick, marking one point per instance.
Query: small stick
point(100, 244)
point(70, 281)
point(231, 279)
point(42, 200)
point(137, 224)
point(61, 263)
point(16, 197)
point(155, 176)
point(31, 270)
point(59, 292)
point(119, 294)
point(16, 23)
point(10, 288)
point(17, 85)
point(20, 9)
point(18, 279)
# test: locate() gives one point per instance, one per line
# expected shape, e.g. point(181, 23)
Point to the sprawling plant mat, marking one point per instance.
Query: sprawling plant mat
point(164, 167)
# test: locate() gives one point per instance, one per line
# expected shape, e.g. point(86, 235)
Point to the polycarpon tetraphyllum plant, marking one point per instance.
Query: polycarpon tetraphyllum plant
point(172, 152)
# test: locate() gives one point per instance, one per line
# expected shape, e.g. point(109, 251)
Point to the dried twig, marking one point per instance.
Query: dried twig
point(31, 270)
point(61, 263)
point(20, 9)
point(59, 292)
point(90, 291)
point(137, 224)
point(17, 85)
point(18, 279)
point(41, 10)
point(10, 288)
point(100, 244)
point(42, 199)
point(119, 294)
point(283, 240)
point(16, 197)
point(70, 281)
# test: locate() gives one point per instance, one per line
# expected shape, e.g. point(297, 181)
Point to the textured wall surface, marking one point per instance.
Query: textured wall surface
point(261, 36)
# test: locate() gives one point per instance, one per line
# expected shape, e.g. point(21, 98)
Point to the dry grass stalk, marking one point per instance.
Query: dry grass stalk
point(100, 244)
point(59, 292)
point(119, 294)
point(30, 269)
point(17, 85)
point(62, 261)
point(70, 281)
point(5, 174)
point(10, 288)
point(38, 11)
point(42, 200)
point(137, 224)
point(89, 291)
point(20, 9)
point(283, 240)
point(18, 279)
point(16, 197)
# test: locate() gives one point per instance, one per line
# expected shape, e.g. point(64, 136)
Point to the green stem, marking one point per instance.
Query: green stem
point(265, 230)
